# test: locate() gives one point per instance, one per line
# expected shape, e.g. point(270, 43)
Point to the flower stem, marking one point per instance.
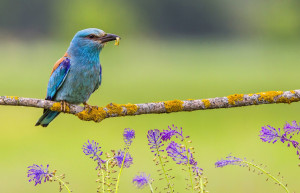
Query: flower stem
point(107, 175)
point(63, 183)
point(201, 184)
point(268, 174)
point(151, 189)
point(162, 166)
point(117, 186)
point(188, 163)
point(102, 173)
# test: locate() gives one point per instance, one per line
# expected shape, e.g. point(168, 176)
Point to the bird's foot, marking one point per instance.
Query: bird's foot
point(89, 107)
point(63, 106)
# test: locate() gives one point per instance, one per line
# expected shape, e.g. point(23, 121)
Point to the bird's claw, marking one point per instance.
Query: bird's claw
point(63, 106)
point(89, 107)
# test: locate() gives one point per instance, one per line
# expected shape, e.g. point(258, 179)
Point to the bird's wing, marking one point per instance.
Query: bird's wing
point(58, 75)
point(100, 79)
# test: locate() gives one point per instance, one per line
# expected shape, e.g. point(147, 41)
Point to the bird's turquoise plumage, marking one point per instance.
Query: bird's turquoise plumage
point(78, 74)
point(58, 77)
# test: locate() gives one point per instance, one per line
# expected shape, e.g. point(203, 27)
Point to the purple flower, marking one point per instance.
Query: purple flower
point(141, 180)
point(93, 149)
point(36, 173)
point(119, 157)
point(128, 135)
point(194, 164)
point(167, 134)
point(177, 153)
point(269, 134)
point(291, 128)
point(170, 132)
point(230, 160)
point(154, 139)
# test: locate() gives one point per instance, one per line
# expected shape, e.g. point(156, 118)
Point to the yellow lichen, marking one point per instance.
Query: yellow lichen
point(292, 91)
point(131, 108)
point(173, 106)
point(287, 100)
point(206, 103)
point(114, 108)
point(250, 94)
point(269, 96)
point(234, 98)
point(58, 107)
point(96, 114)
point(13, 97)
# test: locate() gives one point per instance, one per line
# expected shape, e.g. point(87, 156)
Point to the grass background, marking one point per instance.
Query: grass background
point(141, 71)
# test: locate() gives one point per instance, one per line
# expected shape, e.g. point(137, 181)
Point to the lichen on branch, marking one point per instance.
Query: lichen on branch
point(98, 114)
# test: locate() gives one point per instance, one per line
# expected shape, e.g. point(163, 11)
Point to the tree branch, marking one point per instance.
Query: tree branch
point(98, 114)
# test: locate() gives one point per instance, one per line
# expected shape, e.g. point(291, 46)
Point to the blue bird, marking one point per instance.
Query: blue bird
point(78, 73)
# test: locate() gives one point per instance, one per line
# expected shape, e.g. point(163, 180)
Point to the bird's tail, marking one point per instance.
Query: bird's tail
point(46, 118)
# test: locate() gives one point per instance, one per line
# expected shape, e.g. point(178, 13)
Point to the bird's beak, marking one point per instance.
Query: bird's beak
point(108, 38)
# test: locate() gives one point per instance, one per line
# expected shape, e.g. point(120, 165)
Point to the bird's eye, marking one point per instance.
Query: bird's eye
point(91, 36)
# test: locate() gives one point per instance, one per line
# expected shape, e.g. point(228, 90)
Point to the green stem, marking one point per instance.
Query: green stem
point(102, 173)
point(268, 174)
point(201, 184)
point(151, 189)
point(162, 166)
point(107, 173)
point(188, 163)
point(63, 183)
point(117, 187)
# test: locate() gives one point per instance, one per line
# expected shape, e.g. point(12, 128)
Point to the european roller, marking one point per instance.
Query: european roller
point(78, 73)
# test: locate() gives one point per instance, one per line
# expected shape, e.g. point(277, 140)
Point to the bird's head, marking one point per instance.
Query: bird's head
point(91, 39)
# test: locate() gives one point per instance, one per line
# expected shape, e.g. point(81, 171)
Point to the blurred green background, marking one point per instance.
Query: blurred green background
point(169, 50)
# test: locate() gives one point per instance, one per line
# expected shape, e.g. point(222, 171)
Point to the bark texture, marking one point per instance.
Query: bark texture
point(98, 114)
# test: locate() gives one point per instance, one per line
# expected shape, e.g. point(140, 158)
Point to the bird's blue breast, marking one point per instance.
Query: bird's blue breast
point(82, 80)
